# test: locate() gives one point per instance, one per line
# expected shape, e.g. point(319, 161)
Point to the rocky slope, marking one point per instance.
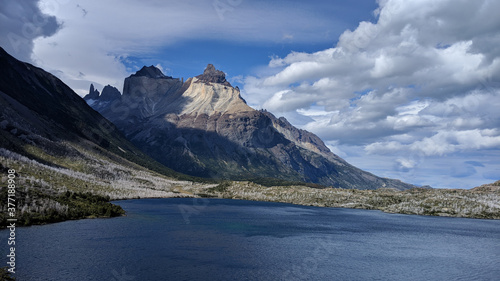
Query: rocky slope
point(473, 203)
point(68, 159)
point(203, 127)
point(491, 187)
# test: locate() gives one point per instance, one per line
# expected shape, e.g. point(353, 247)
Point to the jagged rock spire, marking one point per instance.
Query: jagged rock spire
point(151, 72)
point(110, 93)
point(212, 75)
point(166, 118)
point(93, 93)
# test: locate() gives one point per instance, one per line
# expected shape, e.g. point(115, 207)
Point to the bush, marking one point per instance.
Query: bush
point(5, 274)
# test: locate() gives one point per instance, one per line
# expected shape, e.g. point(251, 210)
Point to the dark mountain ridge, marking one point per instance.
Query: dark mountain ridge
point(203, 127)
point(40, 113)
point(67, 160)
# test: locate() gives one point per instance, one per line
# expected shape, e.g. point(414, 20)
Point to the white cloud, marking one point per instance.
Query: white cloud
point(443, 142)
point(423, 79)
point(21, 22)
point(405, 164)
point(98, 37)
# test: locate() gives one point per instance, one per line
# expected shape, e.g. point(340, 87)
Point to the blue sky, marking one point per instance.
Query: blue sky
point(241, 57)
point(404, 89)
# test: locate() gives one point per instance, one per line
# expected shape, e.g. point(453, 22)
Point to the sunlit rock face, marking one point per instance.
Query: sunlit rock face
point(203, 127)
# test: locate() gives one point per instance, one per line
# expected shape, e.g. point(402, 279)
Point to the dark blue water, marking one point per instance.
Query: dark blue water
point(182, 239)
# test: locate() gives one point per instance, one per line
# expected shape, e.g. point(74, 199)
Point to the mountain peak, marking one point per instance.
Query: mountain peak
point(210, 67)
point(204, 128)
point(151, 72)
point(93, 94)
point(110, 93)
point(212, 75)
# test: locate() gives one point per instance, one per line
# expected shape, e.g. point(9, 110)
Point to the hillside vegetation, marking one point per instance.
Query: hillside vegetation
point(67, 161)
point(78, 186)
point(60, 159)
point(481, 202)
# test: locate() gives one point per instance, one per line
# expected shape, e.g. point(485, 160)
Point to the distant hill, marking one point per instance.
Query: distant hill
point(491, 187)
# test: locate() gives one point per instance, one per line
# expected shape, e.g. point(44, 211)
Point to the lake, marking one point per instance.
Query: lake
point(218, 239)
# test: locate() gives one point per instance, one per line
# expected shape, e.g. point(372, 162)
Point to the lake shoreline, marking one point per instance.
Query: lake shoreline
point(417, 201)
point(204, 239)
point(474, 203)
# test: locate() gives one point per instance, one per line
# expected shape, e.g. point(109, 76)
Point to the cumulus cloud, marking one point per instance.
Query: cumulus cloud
point(21, 22)
point(99, 37)
point(442, 143)
point(422, 79)
point(404, 56)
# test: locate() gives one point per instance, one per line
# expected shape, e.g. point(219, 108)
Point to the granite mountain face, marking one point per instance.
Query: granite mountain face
point(68, 160)
point(203, 127)
point(43, 119)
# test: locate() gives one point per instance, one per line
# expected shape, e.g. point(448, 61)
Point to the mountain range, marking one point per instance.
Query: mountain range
point(200, 127)
point(203, 127)
point(56, 142)
point(69, 161)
